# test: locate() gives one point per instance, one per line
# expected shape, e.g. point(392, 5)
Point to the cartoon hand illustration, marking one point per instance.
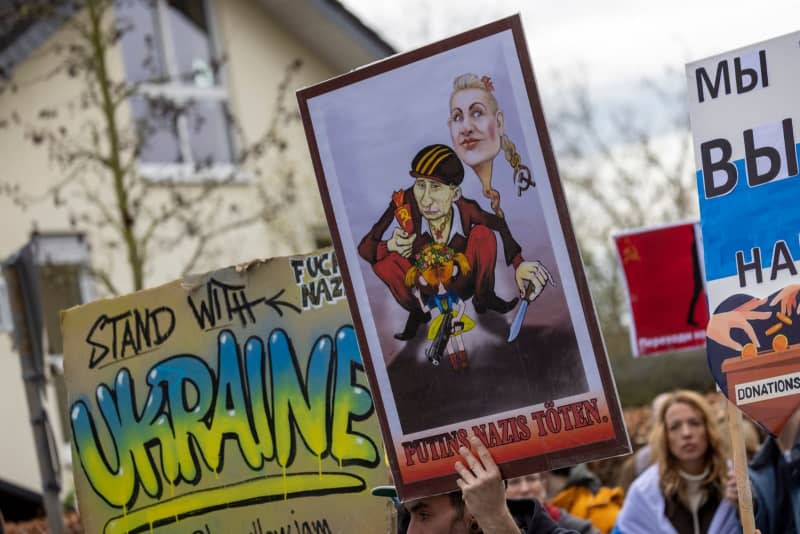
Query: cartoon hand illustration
point(721, 324)
point(401, 242)
point(788, 299)
point(534, 273)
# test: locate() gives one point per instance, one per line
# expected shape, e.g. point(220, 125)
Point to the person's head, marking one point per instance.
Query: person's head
point(657, 403)
point(436, 264)
point(441, 514)
point(749, 431)
point(685, 438)
point(645, 427)
point(533, 486)
point(557, 480)
point(476, 122)
point(437, 174)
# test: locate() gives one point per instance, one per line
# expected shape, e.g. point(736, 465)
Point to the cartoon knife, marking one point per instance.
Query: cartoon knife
point(516, 324)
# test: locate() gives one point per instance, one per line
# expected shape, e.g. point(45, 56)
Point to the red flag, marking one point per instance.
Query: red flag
point(666, 294)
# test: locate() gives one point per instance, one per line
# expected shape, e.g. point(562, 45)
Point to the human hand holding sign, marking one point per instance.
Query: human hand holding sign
point(532, 272)
point(401, 242)
point(483, 489)
point(720, 324)
point(731, 490)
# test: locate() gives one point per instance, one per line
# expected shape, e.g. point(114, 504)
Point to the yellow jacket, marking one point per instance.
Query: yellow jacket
point(601, 507)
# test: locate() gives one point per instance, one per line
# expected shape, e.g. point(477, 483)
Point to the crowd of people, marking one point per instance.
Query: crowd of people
point(682, 483)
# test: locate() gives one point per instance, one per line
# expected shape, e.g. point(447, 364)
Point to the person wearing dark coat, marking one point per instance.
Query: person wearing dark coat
point(775, 478)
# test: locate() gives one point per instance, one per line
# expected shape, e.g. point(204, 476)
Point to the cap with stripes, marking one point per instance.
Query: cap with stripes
point(438, 162)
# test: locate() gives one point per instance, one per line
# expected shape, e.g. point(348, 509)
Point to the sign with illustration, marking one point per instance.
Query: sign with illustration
point(745, 117)
point(232, 402)
point(663, 276)
point(459, 260)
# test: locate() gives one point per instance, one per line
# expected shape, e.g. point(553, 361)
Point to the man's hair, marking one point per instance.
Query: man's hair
point(457, 500)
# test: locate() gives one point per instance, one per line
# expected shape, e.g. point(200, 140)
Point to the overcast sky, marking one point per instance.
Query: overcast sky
point(616, 41)
point(611, 45)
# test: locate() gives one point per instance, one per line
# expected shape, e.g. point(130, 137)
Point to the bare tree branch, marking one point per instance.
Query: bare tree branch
point(99, 162)
point(630, 166)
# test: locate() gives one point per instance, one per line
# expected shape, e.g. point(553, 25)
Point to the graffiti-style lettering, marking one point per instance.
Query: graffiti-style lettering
point(223, 303)
point(320, 526)
point(319, 279)
point(130, 333)
point(261, 400)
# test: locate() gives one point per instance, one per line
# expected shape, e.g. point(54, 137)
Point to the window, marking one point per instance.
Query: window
point(6, 322)
point(181, 108)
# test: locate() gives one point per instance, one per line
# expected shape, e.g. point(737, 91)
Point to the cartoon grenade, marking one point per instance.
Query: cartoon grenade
point(402, 212)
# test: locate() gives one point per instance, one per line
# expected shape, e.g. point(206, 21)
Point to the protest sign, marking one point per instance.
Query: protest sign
point(745, 113)
point(232, 402)
point(459, 261)
point(663, 278)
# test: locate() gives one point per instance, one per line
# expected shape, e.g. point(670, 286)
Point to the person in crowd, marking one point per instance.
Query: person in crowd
point(749, 431)
point(534, 486)
point(581, 493)
point(775, 478)
point(687, 490)
point(642, 458)
point(480, 507)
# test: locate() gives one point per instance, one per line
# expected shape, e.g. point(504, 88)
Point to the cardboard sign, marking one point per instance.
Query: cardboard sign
point(745, 118)
point(459, 261)
point(234, 402)
point(664, 285)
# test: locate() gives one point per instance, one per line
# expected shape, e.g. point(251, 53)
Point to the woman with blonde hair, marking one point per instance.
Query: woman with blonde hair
point(687, 490)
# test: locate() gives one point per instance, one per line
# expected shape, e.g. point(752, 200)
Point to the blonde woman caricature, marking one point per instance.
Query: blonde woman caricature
point(477, 129)
point(431, 275)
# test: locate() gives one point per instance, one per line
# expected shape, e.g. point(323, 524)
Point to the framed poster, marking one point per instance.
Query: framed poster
point(235, 401)
point(459, 260)
point(664, 284)
point(745, 118)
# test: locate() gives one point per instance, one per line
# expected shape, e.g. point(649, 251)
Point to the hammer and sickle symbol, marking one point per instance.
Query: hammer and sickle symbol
point(523, 178)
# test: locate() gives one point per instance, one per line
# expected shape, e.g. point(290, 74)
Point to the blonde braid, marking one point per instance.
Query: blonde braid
point(512, 156)
point(522, 174)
